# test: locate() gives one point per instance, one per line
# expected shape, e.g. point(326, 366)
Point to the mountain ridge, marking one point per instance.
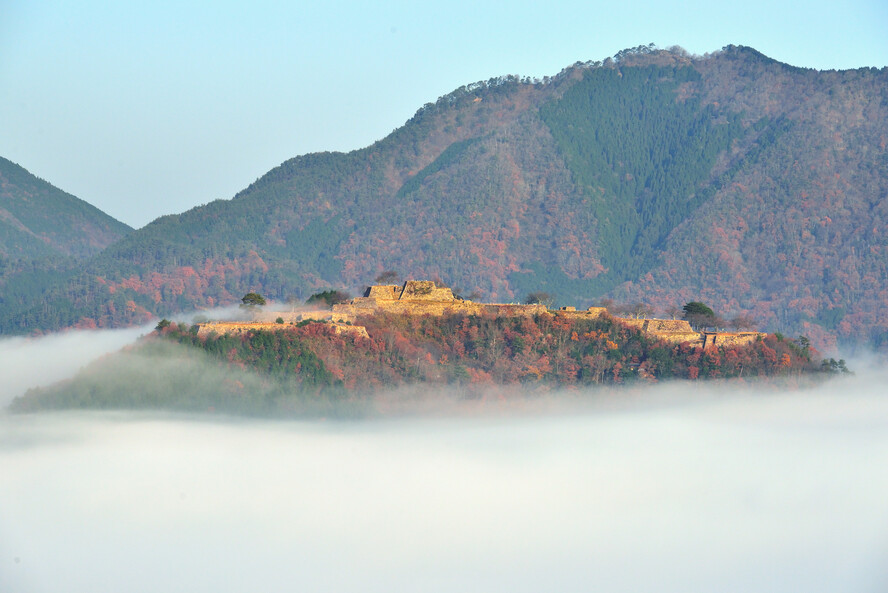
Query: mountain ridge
point(514, 185)
point(45, 235)
point(72, 228)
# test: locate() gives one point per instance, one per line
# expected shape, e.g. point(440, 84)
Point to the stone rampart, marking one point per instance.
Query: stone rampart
point(342, 316)
point(425, 290)
point(674, 331)
point(364, 306)
point(297, 316)
point(572, 313)
point(658, 325)
point(235, 327)
point(387, 291)
point(730, 338)
point(242, 327)
point(679, 331)
point(678, 337)
point(424, 297)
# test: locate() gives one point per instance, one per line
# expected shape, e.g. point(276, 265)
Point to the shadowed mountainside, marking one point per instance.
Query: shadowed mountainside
point(45, 235)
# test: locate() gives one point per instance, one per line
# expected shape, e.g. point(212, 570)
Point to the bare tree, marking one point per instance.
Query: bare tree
point(608, 304)
point(540, 298)
point(742, 323)
point(387, 277)
point(674, 311)
point(640, 310)
point(621, 310)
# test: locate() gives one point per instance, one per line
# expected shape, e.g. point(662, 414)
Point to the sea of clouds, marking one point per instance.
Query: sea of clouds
point(674, 488)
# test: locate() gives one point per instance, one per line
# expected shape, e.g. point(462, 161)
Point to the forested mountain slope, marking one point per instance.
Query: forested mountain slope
point(654, 176)
point(45, 233)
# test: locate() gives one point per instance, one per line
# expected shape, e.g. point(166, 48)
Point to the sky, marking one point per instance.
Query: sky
point(146, 109)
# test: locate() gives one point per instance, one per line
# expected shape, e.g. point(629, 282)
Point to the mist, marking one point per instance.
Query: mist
point(677, 487)
point(27, 362)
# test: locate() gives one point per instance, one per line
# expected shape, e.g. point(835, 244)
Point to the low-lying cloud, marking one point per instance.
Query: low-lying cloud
point(667, 490)
point(27, 362)
point(677, 487)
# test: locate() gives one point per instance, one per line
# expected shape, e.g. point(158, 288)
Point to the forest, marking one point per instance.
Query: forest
point(309, 368)
point(654, 176)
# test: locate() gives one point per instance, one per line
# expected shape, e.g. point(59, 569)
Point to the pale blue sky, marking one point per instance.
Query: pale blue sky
point(151, 108)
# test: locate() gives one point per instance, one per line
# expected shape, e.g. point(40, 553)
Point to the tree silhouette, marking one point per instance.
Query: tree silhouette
point(328, 298)
point(251, 300)
point(699, 315)
point(387, 277)
point(539, 298)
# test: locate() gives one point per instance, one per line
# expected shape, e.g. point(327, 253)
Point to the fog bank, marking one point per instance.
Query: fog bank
point(670, 490)
point(27, 362)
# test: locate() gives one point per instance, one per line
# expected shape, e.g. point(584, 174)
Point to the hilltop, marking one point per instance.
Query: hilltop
point(652, 176)
point(356, 355)
point(428, 298)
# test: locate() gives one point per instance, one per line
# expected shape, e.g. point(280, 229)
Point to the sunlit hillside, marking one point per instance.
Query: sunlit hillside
point(653, 176)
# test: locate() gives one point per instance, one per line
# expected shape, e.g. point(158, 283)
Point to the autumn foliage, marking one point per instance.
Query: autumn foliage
point(492, 349)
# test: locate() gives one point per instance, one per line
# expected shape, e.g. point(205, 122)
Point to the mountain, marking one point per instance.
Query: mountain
point(655, 176)
point(38, 219)
point(45, 235)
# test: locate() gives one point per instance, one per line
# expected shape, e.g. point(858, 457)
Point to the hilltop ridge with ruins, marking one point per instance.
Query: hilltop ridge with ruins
point(425, 297)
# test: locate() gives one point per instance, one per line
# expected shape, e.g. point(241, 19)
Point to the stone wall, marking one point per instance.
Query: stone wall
point(572, 313)
point(679, 331)
point(730, 338)
point(424, 297)
point(388, 291)
point(425, 290)
point(692, 337)
point(297, 316)
point(235, 327)
point(241, 327)
point(674, 331)
point(366, 306)
point(658, 325)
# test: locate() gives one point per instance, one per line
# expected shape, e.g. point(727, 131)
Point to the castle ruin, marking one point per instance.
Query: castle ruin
point(424, 297)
